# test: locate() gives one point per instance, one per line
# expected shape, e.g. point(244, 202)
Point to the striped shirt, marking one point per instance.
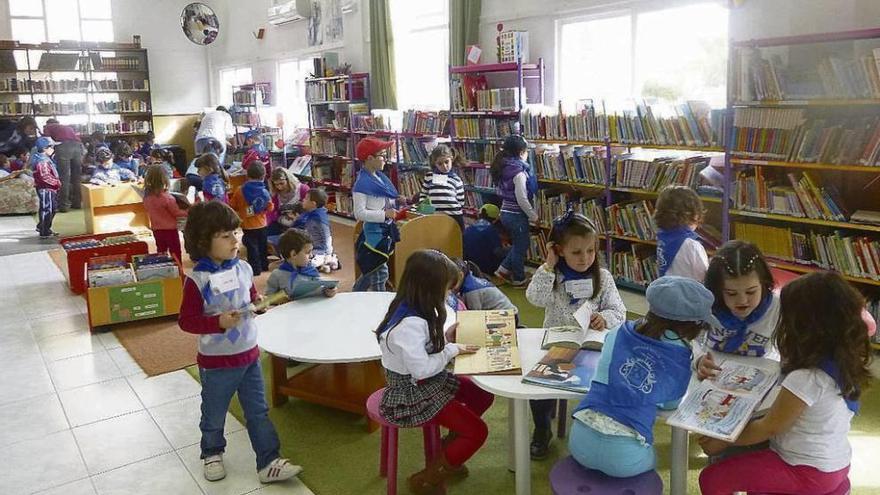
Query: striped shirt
point(445, 191)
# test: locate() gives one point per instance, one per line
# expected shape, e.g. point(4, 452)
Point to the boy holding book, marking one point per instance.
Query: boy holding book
point(295, 246)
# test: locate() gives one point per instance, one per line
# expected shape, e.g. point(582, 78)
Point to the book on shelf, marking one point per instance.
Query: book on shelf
point(551, 206)
point(867, 217)
point(483, 127)
point(154, 266)
point(495, 334)
point(118, 63)
point(409, 183)
point(537, 251)
point(654, 171)
point(797, 194)
point(637, 265)
point(721, 407)
point(122, 106)
point(244, 97)
point(565, 369)
point(419, 122)
point(330, 144)
point(415, 151)
point(473, 200)
point(7, 61)
point(634, 219)
point(512, 46)
point(477, 152)
point(114, 269)
point(343, 203)
point(584, 124)
point(370, 122)
point(339, 90)
point(477, 177)
point(585, 164)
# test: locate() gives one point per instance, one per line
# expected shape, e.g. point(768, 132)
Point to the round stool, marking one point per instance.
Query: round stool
point(388, 455)
point(570, 478)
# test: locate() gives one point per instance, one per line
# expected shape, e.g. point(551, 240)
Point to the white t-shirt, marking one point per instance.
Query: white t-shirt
point(818, 437)
point(216, 124)
point(691, 261)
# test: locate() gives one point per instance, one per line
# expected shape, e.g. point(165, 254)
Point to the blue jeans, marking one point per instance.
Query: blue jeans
point(617, 456)
point(218, 385)
point(517, 226)
point(373, 281)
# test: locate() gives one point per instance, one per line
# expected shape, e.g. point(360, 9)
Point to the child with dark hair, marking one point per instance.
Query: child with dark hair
point(216, 298)
point(256, 152)
point(826, 356)
point(252, 201)
point(482, 241)
point(295, 248)
point(477, 292)
point(213, 178)
point(147, 146)
point(315, 220)
point(517, 185)
point(442, 185)
point(162, 210)
point(20, 159)
point(163, 158)
point(106, 172)
point(287, 192)
point(124, 158)
point(678, 213)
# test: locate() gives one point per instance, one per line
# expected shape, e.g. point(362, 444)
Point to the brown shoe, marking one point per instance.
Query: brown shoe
point(429, 481)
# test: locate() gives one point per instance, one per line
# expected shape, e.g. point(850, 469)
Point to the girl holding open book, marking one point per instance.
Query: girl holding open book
point(570, 278)
point(825, 356)
point(415, 353)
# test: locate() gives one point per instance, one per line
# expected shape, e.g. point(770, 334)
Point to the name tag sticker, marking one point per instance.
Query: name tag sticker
point(579, 289)
point(223, 281)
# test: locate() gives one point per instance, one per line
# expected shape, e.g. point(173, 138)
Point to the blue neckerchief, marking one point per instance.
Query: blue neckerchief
point(736, 330)
point(256, 196)
point(402, 311)
point(668, 244)
point(830, 367)
point(207, 265)
point(569, 273)
point(213, 185)
point(295, 271)
point(375, 185)
point(643, 373)
point(319, 214)
point(260, 149)
point(472, 283)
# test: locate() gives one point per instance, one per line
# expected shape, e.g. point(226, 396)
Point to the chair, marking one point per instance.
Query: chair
point(388, 455)
point(437, 231)
point(570, 478)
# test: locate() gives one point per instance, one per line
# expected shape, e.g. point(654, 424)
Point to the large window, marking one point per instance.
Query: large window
point(421, 53)
point(292, 75)
point(228, 79)
point(670, 54)
point(35, 21)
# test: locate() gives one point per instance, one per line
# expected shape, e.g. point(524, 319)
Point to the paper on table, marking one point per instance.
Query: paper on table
point(583, 315)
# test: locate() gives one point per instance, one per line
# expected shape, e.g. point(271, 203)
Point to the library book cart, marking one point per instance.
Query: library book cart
point(78, 250)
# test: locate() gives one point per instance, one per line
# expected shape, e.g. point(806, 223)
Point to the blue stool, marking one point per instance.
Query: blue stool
point(570, 478)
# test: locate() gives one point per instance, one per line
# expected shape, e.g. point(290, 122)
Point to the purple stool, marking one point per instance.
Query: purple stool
point(388, 456)
point(570, 478)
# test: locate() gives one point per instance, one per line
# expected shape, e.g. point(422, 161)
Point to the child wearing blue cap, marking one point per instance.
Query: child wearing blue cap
point(46, 182)
point(644, 365)
point(256, 152)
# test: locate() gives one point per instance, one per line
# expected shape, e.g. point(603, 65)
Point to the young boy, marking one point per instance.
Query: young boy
point(124, 159)
point(47, 184)
point(482, 241)
point(252, 201)
point(108, 173)
point(215, 296)
point(22, 155)
point(295, 246)
point(316, 222)
point(256, 152)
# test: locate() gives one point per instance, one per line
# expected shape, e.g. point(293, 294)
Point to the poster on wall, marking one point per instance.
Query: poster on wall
point(315, 33)
point(325, 23)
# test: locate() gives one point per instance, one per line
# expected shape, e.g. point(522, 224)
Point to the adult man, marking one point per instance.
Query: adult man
point(215, 132)
point(69, 157)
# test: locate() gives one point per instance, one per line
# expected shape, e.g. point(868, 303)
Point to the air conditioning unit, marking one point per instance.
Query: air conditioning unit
point(283, 11)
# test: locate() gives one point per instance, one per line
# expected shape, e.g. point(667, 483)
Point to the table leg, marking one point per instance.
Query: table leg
point(679, 465)
point(511, 435)
point(521, 446)
point(279, 379)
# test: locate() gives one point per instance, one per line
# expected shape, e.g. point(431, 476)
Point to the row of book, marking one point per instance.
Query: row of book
point(414, 151)
point(57, 107)
point(409, 184)
point(246, 118)
point(798, 194)
point(477, 152)
point(124, 127)
point(788, 134)
point(371, 122)
point(323, 117)
point(473, 200)
point(121, 84)
point(569, 163)
point(111, 270)
point(244, 97)
point(477, 177)
point(551, 206)
point(123, 106)
point(120, 63)
point(537, 251)
point(483, 127)
point(344, 203)
point(418, 122)
point(634, 267)
point(70, 85)
point(632, 220)
point(657, 173)
point(89, 242)
point(16, 108)
point(499, 99)
point(330, 145)
point(335, 90)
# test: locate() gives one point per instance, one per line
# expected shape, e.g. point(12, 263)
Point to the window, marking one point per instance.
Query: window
point(421, 53)
point(292, 92)
point(55, 20)
point(230, 78)
point(670, 54)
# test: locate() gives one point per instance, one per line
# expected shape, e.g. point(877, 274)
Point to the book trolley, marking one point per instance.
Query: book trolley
point(79, 249)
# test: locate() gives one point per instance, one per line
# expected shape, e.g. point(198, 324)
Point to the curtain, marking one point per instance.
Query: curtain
point(383, 89)
point(464, 28)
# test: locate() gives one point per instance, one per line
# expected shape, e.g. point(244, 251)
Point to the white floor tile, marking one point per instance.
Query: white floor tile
point(120, 441)
point(161, 475)
point(83, 370)
point(81, 487)
point(59, 325)
point(127, 365)
point(99, 401)
point(25, 465)
point(69, 345)
point(109, 340)
point(16, 343)
point(24, 381)
point(168, 387)
point(179, 421)
point(240, 463)
point(290, 487)
point(31, 419)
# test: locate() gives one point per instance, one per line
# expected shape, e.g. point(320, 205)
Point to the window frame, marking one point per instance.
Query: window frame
point(44, 19)
point(290, 126)
point(440, 24)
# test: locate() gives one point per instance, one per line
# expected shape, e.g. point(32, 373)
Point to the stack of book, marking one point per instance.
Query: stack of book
point(417, 122)
point(653, 173)
point(633, 267)
point(632, 220)
point(804, 196)
point(570, 163)
point(154, 266)
point(109, 270)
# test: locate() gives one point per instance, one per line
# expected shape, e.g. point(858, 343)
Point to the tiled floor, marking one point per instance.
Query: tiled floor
point(77, 414)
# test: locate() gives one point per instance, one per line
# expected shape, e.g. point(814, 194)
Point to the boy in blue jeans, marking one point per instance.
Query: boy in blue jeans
point(216, 298)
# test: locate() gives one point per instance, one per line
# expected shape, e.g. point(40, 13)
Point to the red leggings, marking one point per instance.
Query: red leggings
point(167, 240)
point(765, 472)
point(462, 416)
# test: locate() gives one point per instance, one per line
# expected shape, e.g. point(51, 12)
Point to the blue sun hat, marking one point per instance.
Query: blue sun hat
point(680, 299)
point(45, 142)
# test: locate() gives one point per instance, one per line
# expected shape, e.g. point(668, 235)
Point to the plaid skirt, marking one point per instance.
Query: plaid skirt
point(407, 403)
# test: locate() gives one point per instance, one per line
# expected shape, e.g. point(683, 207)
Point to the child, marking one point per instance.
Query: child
point(124, 159)
point(374, 197)
point(5, 166)
point(442, 186)
point(295, 246)
point(146, 148)
point(477, 293)
point(679, 252)
point(517, 186)
point(163, 158)
point(163, 211)
point(216, 296)
point(108, 173)
point(47, 184)
point(612, 431)
point(482, 242)
point(570, 277)
point(415, 353)
point(213, 177)
point(20, 162)
point(825, 358)
point(256, 152)
point(316, 222)
point(287, 191)
point(252, 201)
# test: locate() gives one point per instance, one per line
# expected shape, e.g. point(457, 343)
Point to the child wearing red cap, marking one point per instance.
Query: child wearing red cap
point(374, 198)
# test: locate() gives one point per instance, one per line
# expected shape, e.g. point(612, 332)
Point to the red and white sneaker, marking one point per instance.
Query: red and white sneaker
point(279, 470)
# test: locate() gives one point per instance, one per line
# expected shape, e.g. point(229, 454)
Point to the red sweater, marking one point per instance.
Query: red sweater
point(46, 177)
point(163, 211)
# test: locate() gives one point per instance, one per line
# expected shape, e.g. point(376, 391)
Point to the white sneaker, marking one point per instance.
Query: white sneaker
point(214, 470)
point(279, 470)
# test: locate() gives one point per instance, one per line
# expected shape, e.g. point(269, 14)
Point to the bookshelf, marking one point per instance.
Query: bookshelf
point(89, 86)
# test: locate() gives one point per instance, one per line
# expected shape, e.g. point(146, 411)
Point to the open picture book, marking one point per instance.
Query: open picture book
point(495, 333)
point(565, 368)
point(720, 407)
point(305, 287)
point(579, 337)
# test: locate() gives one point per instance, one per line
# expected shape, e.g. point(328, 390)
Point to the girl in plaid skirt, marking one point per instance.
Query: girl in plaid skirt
point(415, 353)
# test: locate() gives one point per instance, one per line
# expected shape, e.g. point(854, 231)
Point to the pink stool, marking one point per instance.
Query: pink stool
point(388, 456)
point(570, 478)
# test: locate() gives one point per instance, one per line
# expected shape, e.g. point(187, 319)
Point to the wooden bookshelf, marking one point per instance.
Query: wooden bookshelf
point(800, 268)
point(809, 221)
point(806, 166)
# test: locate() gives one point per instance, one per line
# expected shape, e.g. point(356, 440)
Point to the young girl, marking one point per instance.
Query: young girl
point(643, 365)
point(679, 252)
point(442, 186)
point(825, 357)
point(569, 278)
point(165, 159)
point(517, 185)
point(287, 191)
point(214, 180)
point(477, 293)
point(163, 211)
point(415, 353)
